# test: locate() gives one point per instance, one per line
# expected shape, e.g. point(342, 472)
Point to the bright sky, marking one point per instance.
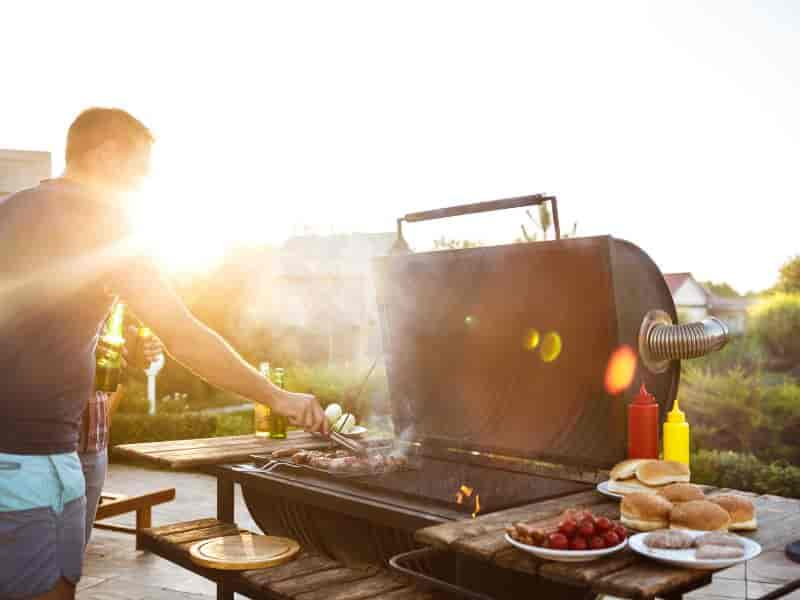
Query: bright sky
point(675, 125)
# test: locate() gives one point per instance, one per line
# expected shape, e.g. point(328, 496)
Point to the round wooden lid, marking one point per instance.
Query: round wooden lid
point(244, 551)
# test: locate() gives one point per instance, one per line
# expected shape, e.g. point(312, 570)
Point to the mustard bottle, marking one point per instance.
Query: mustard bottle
point(676, 435)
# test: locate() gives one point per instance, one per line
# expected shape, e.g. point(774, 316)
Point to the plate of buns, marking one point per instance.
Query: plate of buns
point(685, 506)
point(695, 549)
point(643, 475)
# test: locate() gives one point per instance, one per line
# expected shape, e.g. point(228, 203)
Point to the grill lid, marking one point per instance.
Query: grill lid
point(465, 372)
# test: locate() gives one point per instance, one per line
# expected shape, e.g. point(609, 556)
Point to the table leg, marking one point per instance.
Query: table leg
point(223, 593)
point(144, 520)
point(225, 496)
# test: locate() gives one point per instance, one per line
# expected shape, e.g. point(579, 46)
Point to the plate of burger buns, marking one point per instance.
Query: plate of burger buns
point(643, 475)
point(681, 525)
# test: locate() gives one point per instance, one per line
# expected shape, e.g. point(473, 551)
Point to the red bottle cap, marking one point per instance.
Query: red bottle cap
point(643, 397)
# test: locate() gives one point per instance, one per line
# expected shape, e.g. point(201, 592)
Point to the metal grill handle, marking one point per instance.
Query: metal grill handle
point(400, 244)
point(661, 341)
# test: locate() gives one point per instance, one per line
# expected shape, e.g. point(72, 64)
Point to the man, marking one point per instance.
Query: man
point(67, 256)
point(94, 433)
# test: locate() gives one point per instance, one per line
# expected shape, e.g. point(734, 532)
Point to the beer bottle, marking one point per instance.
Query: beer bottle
point(108, 366)
point(139, 360)
point(277, 423)
point(261, 411)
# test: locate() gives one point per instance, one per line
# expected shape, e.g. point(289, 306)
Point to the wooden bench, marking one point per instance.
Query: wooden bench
point(308, 577)
point(113, 505)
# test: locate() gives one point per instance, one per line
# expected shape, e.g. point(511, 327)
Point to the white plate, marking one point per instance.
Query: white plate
point(686, 558)
point(565, 555)
point(356, 431)
point(603, 489)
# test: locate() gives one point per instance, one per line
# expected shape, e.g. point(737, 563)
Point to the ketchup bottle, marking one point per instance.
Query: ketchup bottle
point(643, 426)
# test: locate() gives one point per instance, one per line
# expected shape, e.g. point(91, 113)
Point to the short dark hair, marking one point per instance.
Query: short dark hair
point(96, 125)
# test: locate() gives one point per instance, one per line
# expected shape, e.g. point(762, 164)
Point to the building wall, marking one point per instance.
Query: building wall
point(20, 169)
point(689, 295)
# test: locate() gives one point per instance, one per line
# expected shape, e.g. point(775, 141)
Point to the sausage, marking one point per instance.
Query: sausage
point(285, 452)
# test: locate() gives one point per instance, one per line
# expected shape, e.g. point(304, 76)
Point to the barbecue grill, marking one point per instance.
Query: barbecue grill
point(496, 359)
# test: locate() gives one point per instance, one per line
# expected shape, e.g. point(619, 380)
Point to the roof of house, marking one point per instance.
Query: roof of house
point(676, 280)
point(713, 301)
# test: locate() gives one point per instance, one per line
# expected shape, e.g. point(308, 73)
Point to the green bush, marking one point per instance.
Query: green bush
point(134, 402)
point(743, 412)
point(745, 472)
point(238, 423)
point(127, 429)
point(724, 410)
point(745, 352)
point(340, 384)
point(776, 321)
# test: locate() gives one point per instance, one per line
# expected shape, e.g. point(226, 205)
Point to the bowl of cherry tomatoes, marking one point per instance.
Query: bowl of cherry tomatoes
point(578, 537)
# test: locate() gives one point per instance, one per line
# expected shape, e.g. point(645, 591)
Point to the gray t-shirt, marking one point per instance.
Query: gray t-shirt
point(64, 252)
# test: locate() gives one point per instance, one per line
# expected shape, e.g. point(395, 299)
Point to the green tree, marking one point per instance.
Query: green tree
point(776, 321)
point(789, 280)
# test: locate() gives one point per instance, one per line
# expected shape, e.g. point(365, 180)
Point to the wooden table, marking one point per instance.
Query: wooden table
point(623, 575)
point(626, 574)
point(188, 454)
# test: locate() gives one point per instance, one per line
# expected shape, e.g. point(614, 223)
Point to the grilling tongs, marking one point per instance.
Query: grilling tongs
point(349, 444)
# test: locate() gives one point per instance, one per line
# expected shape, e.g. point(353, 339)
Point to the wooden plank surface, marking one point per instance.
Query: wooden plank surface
point(373, 587)
point(321, 580)
point(625, 574)
point(308, 577)
point(186, 454)
point(212, 451)
point(442, 536)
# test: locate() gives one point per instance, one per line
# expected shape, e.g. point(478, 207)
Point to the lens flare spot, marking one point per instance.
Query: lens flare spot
point(470, 321)
point(551, 347)
point(621, 370)
point(532, 339)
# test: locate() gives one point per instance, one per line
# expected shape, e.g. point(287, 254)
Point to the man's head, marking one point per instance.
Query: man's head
point(108, 148)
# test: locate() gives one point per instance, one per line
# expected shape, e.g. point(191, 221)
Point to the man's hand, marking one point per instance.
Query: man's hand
point(145, 350)
point(302, 410)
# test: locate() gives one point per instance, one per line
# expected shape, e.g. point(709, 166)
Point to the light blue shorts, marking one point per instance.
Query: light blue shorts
point(42, 521)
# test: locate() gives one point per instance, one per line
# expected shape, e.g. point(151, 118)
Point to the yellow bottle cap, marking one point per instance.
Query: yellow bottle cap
point(676, 415)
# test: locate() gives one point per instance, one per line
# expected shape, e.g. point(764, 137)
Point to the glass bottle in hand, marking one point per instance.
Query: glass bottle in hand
point(261, 411)
point(277, 423)
point(108, 366)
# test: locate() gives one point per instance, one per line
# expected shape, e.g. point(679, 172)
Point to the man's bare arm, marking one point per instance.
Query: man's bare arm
point(210, 357)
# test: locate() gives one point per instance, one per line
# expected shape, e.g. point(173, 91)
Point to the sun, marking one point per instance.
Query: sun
point(181, 234)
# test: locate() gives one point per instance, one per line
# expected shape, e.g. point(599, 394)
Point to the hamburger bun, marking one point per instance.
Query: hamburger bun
point(662, 472)
point(700, 515)
point(645, 512)
point(629, 486)
point(681, 492)
point(741, 511)
point(626, 469)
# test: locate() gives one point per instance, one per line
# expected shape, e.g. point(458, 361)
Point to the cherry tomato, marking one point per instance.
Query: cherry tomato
point(612, 539)
point(578, 543)
point(558, 541)
point(568, 528)
point(586, 529)
point(597, 543)
point(621, 532)
point(603, 524)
